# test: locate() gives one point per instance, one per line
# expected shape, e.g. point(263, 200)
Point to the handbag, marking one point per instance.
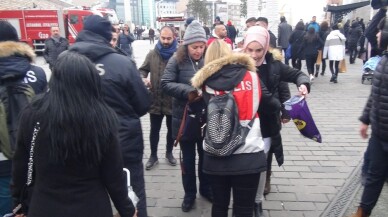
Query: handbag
point(25, 196)
point(319, 58)
point(193, 121)
point(342, 66)
point(288, 51)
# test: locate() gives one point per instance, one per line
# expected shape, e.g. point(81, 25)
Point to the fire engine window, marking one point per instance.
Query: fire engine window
point(73, 19)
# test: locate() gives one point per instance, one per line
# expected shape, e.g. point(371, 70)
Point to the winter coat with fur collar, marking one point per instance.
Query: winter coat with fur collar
point(235, 72)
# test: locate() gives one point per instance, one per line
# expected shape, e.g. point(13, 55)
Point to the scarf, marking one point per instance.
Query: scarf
point(166, 52)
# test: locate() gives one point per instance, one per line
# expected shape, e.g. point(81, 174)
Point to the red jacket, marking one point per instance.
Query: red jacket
point(226, 39)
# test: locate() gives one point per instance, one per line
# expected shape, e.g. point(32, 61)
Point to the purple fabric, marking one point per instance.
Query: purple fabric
point(300, 114)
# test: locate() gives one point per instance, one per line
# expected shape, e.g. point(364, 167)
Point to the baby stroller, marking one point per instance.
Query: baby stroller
point(369, 68)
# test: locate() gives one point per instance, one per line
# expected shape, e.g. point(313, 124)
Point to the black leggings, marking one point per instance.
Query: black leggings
point(334, 71)
point(296, 63)
point(244, 192)
point(156, 123)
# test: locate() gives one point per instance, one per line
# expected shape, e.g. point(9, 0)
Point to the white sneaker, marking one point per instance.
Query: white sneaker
point(311, 77)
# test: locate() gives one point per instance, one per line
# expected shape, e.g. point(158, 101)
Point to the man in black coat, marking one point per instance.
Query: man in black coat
point(124, 91)
point(54, 46)
point(263, 22)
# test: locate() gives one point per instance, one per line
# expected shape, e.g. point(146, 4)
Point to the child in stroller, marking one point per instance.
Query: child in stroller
point(369, 68)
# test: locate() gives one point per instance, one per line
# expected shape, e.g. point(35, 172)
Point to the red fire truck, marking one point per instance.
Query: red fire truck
point(33, 26)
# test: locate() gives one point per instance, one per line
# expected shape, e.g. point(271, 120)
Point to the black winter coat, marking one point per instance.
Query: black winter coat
point(71, 189)
point(376, 110)
point(53, 49)
point(123, 88)
point(272, 74)
point(354, 35)
point(176, 83)
point(296, 41)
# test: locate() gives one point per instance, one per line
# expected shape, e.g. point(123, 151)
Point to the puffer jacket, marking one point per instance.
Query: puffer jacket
point(354, 34)
point(155, 65)
point(334, 48)
point(235, 72)
point(176, 83)
point(376, 110)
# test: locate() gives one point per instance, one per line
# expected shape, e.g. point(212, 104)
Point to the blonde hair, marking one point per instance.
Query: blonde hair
point(217, 49)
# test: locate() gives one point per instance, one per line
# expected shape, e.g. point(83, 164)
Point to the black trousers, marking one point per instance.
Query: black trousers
point(310, 62)
point(188, 170)
point(156, 123)
point(296, 63)
point(244, 189)
point(376, 174)
point(138, 185)
point(334, 64)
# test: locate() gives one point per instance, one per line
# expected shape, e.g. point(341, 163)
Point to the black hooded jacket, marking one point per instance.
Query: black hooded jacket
point(15, 65)
point(123, 89)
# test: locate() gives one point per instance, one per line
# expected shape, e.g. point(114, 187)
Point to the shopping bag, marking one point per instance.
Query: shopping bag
point(300, 114)
point(131, 194)
point(288, 52)
point(342, 66)
point(319, 58)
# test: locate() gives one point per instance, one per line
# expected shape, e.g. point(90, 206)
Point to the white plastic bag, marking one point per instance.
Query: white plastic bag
point(131, 193)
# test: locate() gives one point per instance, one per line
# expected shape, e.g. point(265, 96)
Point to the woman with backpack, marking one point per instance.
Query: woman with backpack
point(180, 68)
point(272, 72)
point(232, 73)
point(70, 135)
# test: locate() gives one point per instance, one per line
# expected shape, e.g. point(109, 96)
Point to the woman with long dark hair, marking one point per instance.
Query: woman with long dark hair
point(311, 43)
point(296, 41)
point(176, 82)
point(77, 163)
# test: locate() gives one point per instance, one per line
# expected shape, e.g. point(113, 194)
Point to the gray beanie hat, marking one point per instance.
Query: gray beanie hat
point(194, 33)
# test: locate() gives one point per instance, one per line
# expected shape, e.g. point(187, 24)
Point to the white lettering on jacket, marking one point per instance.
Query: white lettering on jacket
point(30, 77)
point(100, 68)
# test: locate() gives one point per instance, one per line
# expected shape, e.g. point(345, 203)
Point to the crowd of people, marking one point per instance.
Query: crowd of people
point(83, 127)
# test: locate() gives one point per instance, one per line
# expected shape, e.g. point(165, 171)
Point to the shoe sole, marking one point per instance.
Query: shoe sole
point(153, 165)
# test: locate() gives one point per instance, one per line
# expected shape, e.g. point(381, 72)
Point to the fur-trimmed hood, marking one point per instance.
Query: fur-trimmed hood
point(242, 61)
point(15, 59)
point(12, 48)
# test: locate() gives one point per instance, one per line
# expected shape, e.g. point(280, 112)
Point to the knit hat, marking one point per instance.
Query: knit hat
point(194, 33)
point(99, 25)
point(7, 32)
point(260, 35)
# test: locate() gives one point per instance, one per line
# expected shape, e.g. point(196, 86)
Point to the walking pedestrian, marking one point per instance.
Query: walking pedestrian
point(311, 44)
point(15, 67)
point(124, 92)
point(151, 34)
point(296, 41)
point(176, 82)
point(354, 35)
point(374, 115)
point(284, 33)
point(334, 50)
point(271, 72)
point(324, 31)
point(53, 46)
point(153, 67)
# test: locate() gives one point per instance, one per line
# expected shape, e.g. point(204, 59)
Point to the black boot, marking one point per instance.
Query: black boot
point(317, 70)
point(332, 78)
point(258, 210)
point(323, 69)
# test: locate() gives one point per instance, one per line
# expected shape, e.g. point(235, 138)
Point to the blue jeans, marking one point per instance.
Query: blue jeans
point(376, 174)
point(5, 195)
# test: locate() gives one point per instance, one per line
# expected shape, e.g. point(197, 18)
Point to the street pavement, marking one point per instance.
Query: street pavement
point(313, 176)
